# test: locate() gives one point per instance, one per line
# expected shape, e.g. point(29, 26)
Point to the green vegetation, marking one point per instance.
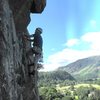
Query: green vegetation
point(73, 92)
point(77, 81)
point(54, 78)
point(60, 85)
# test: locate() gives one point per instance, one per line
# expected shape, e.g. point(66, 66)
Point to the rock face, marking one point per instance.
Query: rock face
point(15, 83)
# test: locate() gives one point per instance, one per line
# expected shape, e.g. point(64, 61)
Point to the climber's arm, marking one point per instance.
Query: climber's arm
point(32, 35)
point(28, 38)
point(31, 40)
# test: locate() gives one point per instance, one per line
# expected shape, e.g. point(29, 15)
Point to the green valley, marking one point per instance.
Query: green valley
point(79, 80)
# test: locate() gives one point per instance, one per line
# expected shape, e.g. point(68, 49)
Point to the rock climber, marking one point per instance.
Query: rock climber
point(36, 49)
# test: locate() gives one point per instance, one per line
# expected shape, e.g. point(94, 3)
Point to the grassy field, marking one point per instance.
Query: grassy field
point(62, 89)
point(87, 85)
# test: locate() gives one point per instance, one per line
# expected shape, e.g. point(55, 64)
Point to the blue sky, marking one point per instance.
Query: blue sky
point(71, 31)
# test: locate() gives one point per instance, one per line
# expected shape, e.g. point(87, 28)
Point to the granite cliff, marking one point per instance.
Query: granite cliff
point(15, 84)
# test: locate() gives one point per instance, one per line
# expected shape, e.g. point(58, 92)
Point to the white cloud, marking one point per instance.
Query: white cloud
point(69, 55)
point(50, 66)
point(93, 38)
point(71, 42)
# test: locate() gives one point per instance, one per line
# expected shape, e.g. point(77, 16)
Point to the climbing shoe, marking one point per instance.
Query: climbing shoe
point(31, 64)
point(32, 73)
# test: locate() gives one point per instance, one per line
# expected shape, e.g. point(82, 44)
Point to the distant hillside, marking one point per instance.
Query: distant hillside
point(54, 77)
point(86, 68)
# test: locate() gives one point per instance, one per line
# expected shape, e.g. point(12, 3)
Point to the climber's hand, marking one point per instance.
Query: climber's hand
point(25, 37)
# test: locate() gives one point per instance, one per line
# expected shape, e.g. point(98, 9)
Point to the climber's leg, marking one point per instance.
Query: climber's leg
point(29, 52)
point(36, 56)
point(31, 70)
point(36, 50)
point(33, 66)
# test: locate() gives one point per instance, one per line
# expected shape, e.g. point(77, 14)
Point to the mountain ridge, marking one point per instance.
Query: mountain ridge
point(86, 68)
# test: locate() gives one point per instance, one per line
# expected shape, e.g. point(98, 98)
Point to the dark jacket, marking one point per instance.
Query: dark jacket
point(38, 41)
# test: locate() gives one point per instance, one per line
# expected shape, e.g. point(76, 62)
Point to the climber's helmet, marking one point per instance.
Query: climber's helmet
point(39, 30)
